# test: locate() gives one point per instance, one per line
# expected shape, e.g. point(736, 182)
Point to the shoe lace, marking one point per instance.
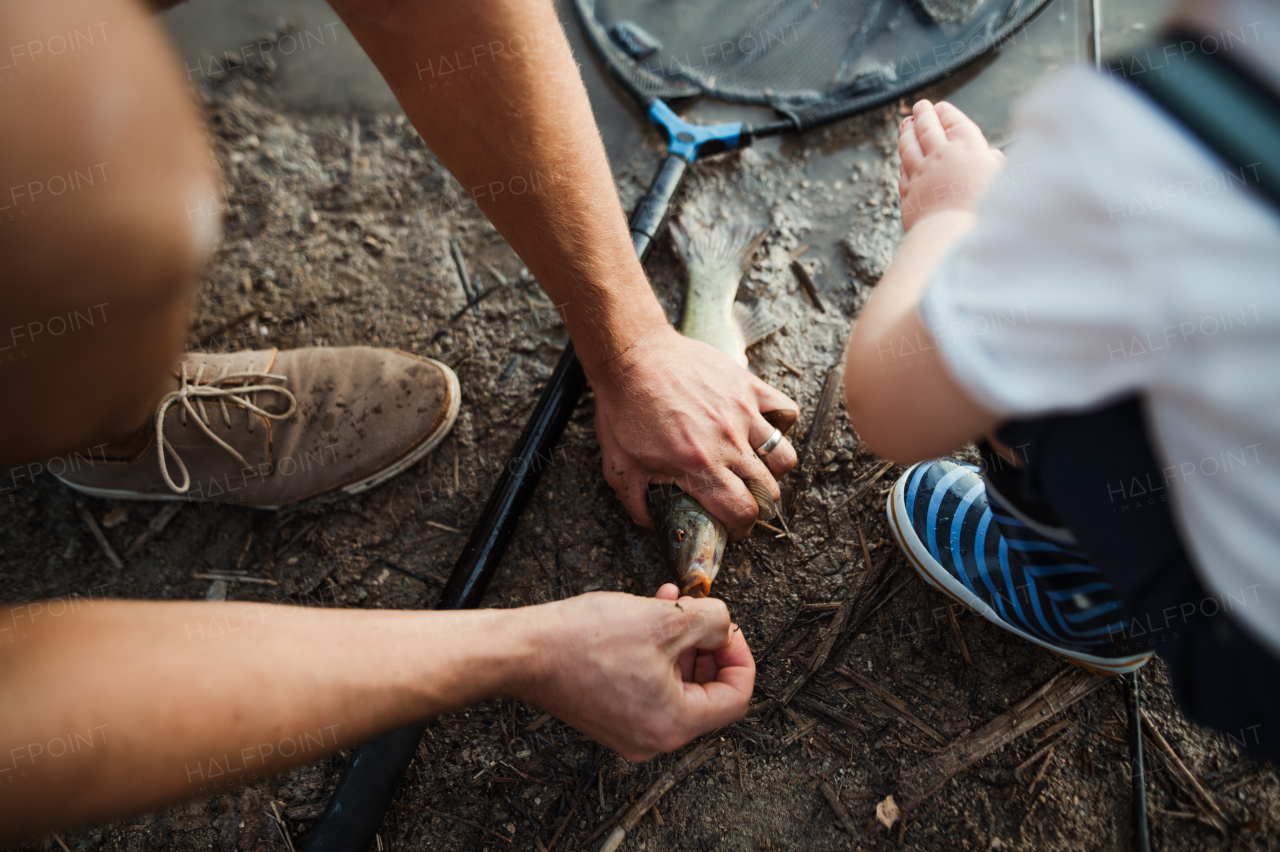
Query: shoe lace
point(237, 388)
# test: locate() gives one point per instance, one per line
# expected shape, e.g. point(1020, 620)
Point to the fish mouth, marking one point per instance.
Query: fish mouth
point(696, 585)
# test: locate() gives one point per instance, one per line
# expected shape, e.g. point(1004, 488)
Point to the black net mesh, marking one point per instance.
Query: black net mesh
point(811, 60)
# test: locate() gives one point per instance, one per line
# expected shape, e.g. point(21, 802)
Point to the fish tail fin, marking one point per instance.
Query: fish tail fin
point(755, 321)
point(736, 241)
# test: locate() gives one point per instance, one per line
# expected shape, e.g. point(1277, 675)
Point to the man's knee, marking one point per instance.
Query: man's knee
point(110, 192)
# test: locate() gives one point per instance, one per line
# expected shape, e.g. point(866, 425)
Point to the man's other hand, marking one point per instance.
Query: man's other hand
point(639, 675)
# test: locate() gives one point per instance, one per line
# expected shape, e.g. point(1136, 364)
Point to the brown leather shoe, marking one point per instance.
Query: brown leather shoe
point(270, 428)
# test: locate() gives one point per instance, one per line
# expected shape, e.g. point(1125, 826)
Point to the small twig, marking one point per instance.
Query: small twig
point(893, 701)
point(444, 527)
point(496, 272)
point(1044, 767)
point(955, 626)
point(831, 714)
point(226, 326)
point(471, 303)
point(447, 815)
point(1193, 784)
point(421, 578)
point(806, 284)
point(244, 550)
point(816, 438)
point(582, 794)
point(833, 800)
point(538, 722)
point(92, 524)
point(458, 261)
point(769, 527)
point(795, 371)
point(355, 144)
point(235, 578)
point(799, 732)
point(55, 836)
point(158, 523)
point(690, 762)
point(1017, 772)
point(284, 830)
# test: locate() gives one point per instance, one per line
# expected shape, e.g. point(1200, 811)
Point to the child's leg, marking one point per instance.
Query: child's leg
point(106, 215)
point(1084, 466)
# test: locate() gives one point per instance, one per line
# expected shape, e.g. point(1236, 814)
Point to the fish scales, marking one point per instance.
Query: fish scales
point(691, 539)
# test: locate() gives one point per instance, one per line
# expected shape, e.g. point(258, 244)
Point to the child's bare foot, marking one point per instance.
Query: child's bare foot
point(946, 162)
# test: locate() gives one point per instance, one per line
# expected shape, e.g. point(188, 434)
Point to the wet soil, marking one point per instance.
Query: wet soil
point(330, 243)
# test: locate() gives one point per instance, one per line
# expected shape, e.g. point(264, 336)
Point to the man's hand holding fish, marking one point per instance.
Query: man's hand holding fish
point(672, 409)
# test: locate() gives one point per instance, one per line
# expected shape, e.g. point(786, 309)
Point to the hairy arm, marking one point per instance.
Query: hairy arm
point(493, 88)
point(119, 707)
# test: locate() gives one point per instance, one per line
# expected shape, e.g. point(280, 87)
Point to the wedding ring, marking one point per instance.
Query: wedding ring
point(767, 447)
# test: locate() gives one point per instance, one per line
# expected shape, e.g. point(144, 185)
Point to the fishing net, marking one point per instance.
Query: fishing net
point(812, 61)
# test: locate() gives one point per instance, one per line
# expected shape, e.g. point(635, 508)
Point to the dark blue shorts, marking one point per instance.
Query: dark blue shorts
point(1096, 475)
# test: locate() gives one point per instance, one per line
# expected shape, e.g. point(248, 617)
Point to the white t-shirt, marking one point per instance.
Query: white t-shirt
point(1117, 255)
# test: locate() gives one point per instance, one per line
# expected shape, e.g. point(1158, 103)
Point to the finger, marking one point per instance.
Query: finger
point(770, 399)
point(928, 128)
point(723, 493)
point(909, 147)
point(737, 654)
point(958, 126)
point(781, 419)
point(726, 699)
point(685, 662)
point(668, 592)
point(700, 623)
point(782, 458)
point(750, 466)
point(633, 491)
point(705, 668)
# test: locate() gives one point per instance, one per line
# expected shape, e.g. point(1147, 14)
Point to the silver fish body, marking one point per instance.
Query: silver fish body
point(691, 538)
point(716, 259)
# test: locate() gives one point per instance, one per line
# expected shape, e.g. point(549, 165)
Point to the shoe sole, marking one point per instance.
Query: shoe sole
point(921, 559)
point(394, 469)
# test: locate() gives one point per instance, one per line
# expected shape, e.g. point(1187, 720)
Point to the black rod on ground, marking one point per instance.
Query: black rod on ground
point(367, 786)
point(1137, 771)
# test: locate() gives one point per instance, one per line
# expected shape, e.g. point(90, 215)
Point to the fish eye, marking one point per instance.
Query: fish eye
point(679, 535)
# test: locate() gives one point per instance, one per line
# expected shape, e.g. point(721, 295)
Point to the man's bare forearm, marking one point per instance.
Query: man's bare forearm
point(492, 87)
point(124, 706)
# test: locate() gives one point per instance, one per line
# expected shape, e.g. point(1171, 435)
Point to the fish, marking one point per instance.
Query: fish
point(691, 539)
point(716, 259)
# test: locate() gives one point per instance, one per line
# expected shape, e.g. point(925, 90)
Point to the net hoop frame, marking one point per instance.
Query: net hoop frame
point(803, 112)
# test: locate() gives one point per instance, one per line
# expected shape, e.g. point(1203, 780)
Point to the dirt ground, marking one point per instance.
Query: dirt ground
point(330, 242)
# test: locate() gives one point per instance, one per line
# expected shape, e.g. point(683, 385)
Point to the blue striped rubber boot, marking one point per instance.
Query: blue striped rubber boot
point(977, 552)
